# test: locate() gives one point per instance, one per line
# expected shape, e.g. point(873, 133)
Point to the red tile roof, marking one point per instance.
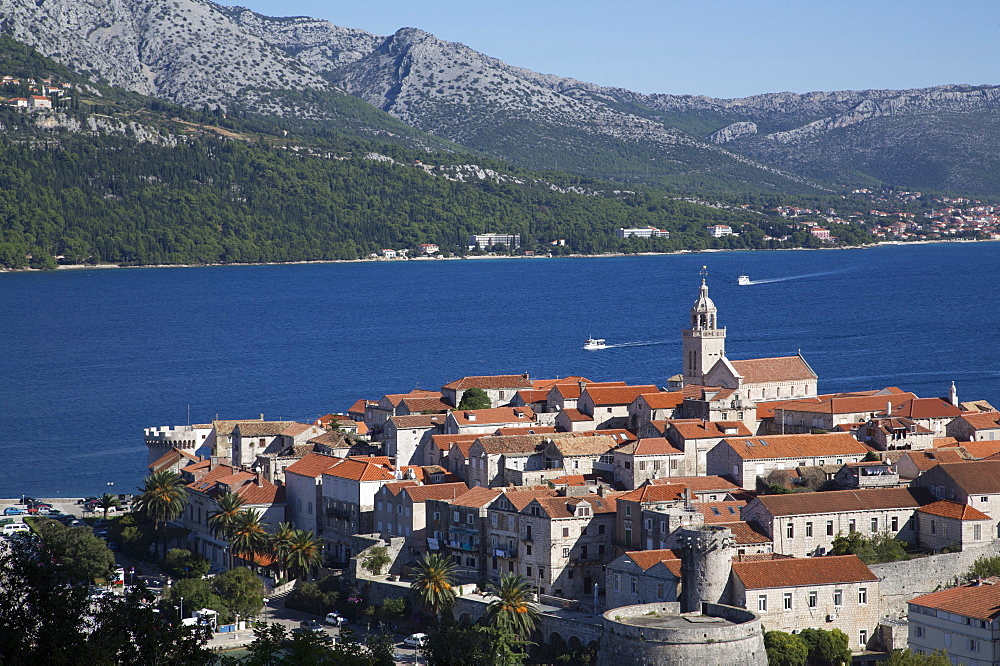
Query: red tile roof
point(476, 497)
point(835, 501)
point(494, 416)
point(691, 429)
point(417, 421)
point(431, 404)
point(704, 484)
point(720, 512)
point(576, 415)
point(982, 420)
point(796, 446)
point(924, 460)
point(546, 384)
point(617, 395)
point(847, 403)
point(529, 396)
point(651, 446)
point(530, 430)
point(358, 407)
point(980, 449)
point(312, 465)
point(798, 572)
point(956, 510)
point(746, 533)
point(980, 601)
point(357, 470)
point(442, 491)
point(980, 477)
point(778, 369)
point(663, 399)
point(559, 507)
point(491, 382)
point(647, 559)
point(444, 442)
point(521, 497)
point(926, 408)
point(573, 391)
point(649, 493)
point(397, 486)
point(261, 428)
point(396, 398)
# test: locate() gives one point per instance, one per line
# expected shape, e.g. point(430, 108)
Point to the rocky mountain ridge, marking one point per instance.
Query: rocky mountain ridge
point(196, 52)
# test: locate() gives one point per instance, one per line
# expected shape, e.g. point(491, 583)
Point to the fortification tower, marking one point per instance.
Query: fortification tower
point(704, 342)
point(706, 559)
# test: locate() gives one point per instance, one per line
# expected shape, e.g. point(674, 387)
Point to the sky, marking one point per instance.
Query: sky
point(720, 48)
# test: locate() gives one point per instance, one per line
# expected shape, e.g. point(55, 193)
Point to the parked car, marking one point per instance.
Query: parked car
point(13, 511)
point(334, 619)
point(415, 640)
point(13, 528)
point(312, 627)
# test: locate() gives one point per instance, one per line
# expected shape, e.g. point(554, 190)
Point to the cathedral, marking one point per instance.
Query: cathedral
point(743, 383)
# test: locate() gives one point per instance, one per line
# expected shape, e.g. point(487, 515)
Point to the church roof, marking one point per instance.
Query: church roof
point(779, 369)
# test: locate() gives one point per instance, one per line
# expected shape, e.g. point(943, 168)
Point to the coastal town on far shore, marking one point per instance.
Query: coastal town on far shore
point(719, 500)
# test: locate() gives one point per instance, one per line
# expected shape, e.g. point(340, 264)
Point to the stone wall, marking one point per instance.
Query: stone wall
point(901, 581)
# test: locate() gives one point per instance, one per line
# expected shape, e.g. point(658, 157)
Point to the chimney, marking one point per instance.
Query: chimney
point(953, 395)
point(470, 416)
point(262, 416)
point(888, 407)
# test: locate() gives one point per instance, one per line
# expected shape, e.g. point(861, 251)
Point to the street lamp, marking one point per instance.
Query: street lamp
point(265, 610)
point(182, 610)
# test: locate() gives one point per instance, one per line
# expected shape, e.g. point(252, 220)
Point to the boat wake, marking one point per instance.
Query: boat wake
point(798, 277)
point(647, 343)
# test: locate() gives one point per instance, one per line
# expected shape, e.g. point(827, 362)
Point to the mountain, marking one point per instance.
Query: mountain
point(195, 52)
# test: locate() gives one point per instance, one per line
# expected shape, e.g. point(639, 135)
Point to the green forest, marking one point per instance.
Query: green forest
point(187, 186)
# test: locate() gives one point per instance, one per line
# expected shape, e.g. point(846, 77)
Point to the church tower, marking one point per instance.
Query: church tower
point(704, 342)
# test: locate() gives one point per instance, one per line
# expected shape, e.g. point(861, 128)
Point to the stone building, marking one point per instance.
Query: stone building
point(895, 432)
point(403, 436)
point(504, 546)
point(643, 576)
point(696, 437)
point(819, 592)
point(485, 421)
point(608, 406)
point(975, 427)
point(499, 388)
point(640, 461)
point(963, 622)
point(401, 509)
point(950, 525)
point(830, 412)
point(304, 491)
point(976, 483)
point(648, 516)
point(348, 491)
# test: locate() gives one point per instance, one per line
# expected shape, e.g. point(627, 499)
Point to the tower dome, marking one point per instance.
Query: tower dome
point(703, 312)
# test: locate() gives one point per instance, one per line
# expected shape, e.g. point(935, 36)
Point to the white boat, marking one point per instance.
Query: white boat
point(595, 343)
point(743, 280)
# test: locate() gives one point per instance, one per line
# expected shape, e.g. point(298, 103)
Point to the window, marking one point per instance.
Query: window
point(947, 640)
point(895, 524)
point(528, 571)
point(642, 466)
point(469, 518)
point(862, 596)
point(809, 529)
point(583, 552)
point(659, 590)
point(565, 551)
point(648, 523)
point(874, 524)
point(635, 585)
point(388, 507)
point(863, 637)
point(973, 645)
point(454, 516)
point(527, 551)
point(933, 527)
point(790, 530)
point(600, 549)
point(813, 599)
point(310, 509)
point(541, 572)
point(983, 498)
point(437, 515)
point(787, 601)
point(600, 529)
point(628, 509)
point(762, 603)
point(399, 509)
point(838, 597)
point(852, 526)
point(829, 528)
point(977, 532)
point(378, 504)
point(493, 519)
point(618, 581)
point(919, 632)
point(565, 531)
point(528, 530)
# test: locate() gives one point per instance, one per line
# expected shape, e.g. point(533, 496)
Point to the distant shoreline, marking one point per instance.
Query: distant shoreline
point(75, 267)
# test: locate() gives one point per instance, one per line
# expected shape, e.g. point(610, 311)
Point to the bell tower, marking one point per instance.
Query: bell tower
point(704, 342)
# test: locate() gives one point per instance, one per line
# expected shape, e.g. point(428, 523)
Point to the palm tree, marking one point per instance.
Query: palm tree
point(304, 554)
point(248, 536)
point(163, 499)
point(281, 544)
point(221, 522)
point(434, 582)
point(108, 501)
point(512, 611)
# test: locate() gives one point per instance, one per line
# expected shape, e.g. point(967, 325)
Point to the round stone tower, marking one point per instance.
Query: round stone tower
point(706, 560)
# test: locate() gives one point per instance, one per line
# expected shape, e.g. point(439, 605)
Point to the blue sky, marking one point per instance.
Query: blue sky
point(721, 48)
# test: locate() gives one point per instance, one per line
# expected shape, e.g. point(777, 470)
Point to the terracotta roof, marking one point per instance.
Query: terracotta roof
point(546, 384)
point(444, 442)
point(666, 493)
point(890, 424)
point(980, 449)
point(442, 491)
point(312, 465)
point(924, 460)
point(476, 497)
point(618, 434)
point(357, 470)
point(358, 407)
point(796, 446)
point(835, 501)
point(690, 429)
point(569, 480)
point(261, 428)
point(978, 477)
point(521, 498)
point(559, 507)
point(662, 399)
point(397, 486)
point(432, 404)
point(332, 439)
point(720, 512)
point(396, 398)
point(704, 484)
point(982, 420)
point(491, 382)
point(650, 446)
point(956, 510)
point(530, 396)
point(417, 421)
point(746, 533)
point(171, 458)
point(226, 427)
point(797, 572)
point(494, 416)
point(647, 559)
point(926, 408)
point(294, 429)
point(531, 430)
point(573, 391)
point(574, 414)
point(617, 395)
point(941, 442)
point(778, 369)
point(972, 600)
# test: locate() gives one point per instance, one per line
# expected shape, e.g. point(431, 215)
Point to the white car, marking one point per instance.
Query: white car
point(415, 640)
point(334, 619)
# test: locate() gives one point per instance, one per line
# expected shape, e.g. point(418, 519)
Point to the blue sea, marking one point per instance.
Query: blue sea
point(88, 358)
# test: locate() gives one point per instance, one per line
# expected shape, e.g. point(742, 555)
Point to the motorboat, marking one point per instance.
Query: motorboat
point(743, 280)
point(595, 343)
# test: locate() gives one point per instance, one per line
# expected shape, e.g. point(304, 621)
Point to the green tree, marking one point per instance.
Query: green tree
point(376, 558)
point(305, 553)
point(82, 555)
point(784, 649)
point(241, 590)
point(433, 582)
point(984, 567)
point(163, 499)
point(281, 545)
point(475, 398)
point(826, 648)
point(512, 611)
point(223, 519)
point(248, 537)
point(182, 563)
point(911, 658)
point(197, 593)
point(451, 645)
point(872, 549)
point(108, 502)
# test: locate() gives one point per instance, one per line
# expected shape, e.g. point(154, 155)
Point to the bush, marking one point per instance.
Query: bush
point(311, 598)
point(784, 649)
point(182, 563)
point(875, 549)
point(826, 648)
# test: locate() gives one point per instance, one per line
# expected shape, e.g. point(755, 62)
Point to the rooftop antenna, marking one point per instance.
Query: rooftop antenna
point(189, 413)
point(703, 273)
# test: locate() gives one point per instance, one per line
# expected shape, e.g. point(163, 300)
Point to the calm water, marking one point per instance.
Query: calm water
point(89, 358)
